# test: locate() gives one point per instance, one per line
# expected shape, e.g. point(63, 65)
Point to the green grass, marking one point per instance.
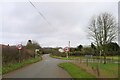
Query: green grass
point(12, 67)
point(75, 71)
point(72, 58)
point(0, 70)
point(111, 57)
point(110, 69)
point(115, 58)
point(58, 57)
point(69, 58)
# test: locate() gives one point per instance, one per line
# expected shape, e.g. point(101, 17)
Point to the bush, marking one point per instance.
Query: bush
point(62, 54)
point(88, 51)
point(10, 54)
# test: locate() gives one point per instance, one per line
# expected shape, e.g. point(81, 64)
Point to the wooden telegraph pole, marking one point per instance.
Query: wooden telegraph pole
point(69, 44)
point(69, 47)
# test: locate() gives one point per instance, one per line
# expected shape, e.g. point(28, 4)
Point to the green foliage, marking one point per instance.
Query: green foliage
point(0, 70)
point(77, 53)
point(72, 49)
point(60, 54)
point(79, 48)
point(32, 45)
point(93, 46)
point(50, 50)
point(111, 48)
point(54, 52)
point(88, 51)
point(75, 71)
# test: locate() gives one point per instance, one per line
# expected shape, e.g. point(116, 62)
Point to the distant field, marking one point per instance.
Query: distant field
point(114, 57)
point(83, 57)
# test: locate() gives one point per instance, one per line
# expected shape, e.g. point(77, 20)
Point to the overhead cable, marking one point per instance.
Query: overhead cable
point(39, 12)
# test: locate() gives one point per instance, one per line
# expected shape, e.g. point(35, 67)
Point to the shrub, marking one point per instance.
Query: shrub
point(10, 54)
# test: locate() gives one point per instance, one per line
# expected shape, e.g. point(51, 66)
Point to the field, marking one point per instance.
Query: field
point(114, 58)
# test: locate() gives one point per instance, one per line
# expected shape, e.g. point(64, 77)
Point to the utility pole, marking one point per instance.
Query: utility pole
point(68, 47)
point(67, 50)
point(69, 44)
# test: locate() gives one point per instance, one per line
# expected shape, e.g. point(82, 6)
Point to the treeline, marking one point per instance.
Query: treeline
point(10, 54)
point(111, 49)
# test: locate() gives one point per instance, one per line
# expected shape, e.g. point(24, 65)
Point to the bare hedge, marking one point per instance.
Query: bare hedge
point(10, 54)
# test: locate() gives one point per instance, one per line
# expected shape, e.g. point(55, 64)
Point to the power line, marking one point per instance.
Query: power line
point(39, 12)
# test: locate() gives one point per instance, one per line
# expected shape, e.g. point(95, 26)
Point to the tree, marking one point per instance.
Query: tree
point(103, 31)
point(32, 45)
point(29, 42)
point(112, 48)
point(94, 48)
point(80, 47)
point(87, 51)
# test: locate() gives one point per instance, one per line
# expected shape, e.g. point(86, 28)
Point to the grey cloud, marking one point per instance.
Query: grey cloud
point(69, 21)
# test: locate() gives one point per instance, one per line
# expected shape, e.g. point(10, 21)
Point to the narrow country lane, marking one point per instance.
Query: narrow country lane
point(47, 68)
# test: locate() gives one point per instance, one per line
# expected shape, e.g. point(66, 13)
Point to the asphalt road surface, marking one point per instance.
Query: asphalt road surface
point(47, 68)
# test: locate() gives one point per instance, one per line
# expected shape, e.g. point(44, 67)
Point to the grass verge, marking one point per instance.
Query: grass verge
point(0, 70)
point(107, 70)
point(65, 58)
point(75, 71)
point(12, 67)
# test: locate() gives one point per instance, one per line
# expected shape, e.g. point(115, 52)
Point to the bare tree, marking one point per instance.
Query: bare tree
point(103, 29)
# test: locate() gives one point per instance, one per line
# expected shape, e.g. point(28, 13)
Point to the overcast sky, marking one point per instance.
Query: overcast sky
point(68, 21)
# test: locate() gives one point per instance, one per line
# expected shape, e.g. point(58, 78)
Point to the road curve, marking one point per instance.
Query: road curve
point(47, 68)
